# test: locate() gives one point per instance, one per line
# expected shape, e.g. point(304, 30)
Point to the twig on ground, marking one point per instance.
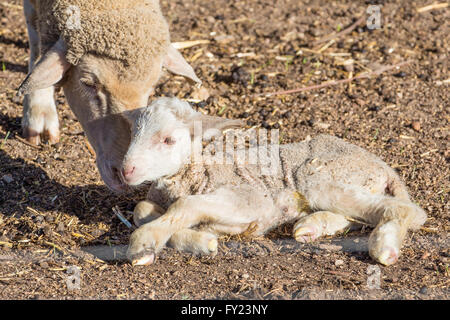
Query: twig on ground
point(363, 75)
point(89, 147)
point(26, 142)
point(343, 32)
point(119, 215)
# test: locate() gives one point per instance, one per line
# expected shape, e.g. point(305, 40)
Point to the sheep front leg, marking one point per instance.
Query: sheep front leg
point(186, 240)
point(39, 109)
point(185, 213)
point(317, 224)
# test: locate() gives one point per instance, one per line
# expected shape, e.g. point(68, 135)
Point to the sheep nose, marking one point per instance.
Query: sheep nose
point(127, 171)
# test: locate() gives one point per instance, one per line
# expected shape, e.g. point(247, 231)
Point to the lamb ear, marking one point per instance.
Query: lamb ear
point(48, 71)
point(214, 126)
point(175, 63)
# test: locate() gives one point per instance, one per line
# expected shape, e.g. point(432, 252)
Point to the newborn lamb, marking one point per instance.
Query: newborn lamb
point(324, 185)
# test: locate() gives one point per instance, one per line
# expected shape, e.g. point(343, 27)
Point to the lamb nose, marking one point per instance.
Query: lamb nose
point(127, 171)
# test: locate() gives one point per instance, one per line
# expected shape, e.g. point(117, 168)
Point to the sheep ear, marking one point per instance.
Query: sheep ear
point(131, 116)
point(48, 71)
point(175, 63)
point(214, 126)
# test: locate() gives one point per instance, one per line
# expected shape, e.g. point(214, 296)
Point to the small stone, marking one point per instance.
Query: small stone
point(392, 140)
point(263, 112)
point(224, 39)
point(322, 125)
point(202, 104)
point(47, 230)
point(245, 276)
point(401, 74)
point(423, 290)
point(200, 94)
point(287, 114)
point(61, 227)
point(43, 264)
point(338, 263)
point(39, 219)
point(360, 102)
point(7, 178)
point(416, 125)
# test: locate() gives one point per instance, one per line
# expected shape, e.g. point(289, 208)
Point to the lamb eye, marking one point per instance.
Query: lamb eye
point(169, 141)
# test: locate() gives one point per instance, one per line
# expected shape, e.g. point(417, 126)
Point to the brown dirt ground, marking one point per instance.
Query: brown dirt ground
point(54, 203)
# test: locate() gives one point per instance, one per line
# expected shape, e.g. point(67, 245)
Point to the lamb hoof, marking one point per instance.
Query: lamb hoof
point(145, 260)
point(306, 233)
point(387, 256)
point(212, 245)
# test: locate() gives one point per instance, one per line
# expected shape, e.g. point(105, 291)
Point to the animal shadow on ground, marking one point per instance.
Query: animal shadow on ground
point(14, 67)
point(18, 43)
point(25, 184)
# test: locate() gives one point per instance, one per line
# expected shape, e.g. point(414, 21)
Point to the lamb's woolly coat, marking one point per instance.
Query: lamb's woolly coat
point(304, 172)
point(136, 27)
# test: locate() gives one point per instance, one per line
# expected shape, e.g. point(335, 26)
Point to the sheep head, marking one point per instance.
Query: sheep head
point(97, 92)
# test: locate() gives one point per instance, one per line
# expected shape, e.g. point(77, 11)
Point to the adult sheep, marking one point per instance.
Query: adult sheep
point(107, 55)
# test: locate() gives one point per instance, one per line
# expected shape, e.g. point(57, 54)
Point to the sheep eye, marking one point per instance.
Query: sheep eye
point(89, 83)
point(169, 141)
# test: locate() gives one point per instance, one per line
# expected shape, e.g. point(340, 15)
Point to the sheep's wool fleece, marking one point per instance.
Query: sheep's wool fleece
point(132, 31)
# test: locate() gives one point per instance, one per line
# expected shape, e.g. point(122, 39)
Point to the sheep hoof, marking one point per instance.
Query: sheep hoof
point(145, 260)
point(52, 138)
point(306, 233)
point(32, 136)
point(387, 256)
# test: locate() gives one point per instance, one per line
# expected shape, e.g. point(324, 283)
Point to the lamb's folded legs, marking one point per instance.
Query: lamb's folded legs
point(392, 217)
point(186, 240)
point(185, 213)
point(318, 224)
point(386, 239)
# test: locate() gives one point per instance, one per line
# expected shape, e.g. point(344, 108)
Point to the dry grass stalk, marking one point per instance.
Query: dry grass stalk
point(189, 44)
point(363, 75)
point(343, 32)
point(433, 6)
